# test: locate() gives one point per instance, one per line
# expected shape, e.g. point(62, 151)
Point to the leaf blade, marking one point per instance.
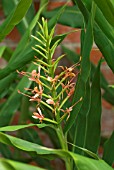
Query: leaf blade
point(85, 72)
point(80, 161)
point(7, 164)
point(107, 8)
point(94, 115)
point(108, 154)
point(14, 18)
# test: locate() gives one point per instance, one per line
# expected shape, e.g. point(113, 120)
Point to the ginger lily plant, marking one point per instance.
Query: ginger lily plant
point(51, 90)
point(77, 123)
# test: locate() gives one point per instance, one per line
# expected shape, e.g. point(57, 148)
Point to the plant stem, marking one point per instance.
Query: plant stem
point(64, 146)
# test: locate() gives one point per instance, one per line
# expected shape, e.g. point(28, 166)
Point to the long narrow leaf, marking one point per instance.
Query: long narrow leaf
point(65, 18)
point(80, 161)
point(81, 122)
point(18, 127)
point(53, 21)
point(6, 164)
point(99, 18)
point(108, 154)
point(104, 43)
point(25, 39)
point(84, 163)
point(60, 37)
point(5, 151)
point(5, 83)
point(23, 56)
point(13, 102)
point(14, 18)
point(23, 25)
point(84, 75)
point(107, 8)
point(105, 46)
point(92, 138)
point(2, 49)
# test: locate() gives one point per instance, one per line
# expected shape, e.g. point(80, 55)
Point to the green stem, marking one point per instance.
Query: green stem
point(63, 102)
point(64, 146)
point(45, 104)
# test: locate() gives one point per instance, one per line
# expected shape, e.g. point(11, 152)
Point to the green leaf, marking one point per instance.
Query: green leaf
point(107, 8)
point(93, 155)
point(30, 134)
point(81, 122)
point(108, 154)
point(60, 37)
point(80, 161)
point(77, 19)
point(84, 74)
point(5, 151)
point(28, 146)
point(2, 49)
point(21, 59)
point(92, 140)
point(103, 25)
point(99, 18)
point(23, 25)
point(5, 82)
point(108, 94)
point(84, 163)
point(71, 55)
point(65, 18)
point(6, 164)
point(103, 36)
point(111, 86)
point(26, 38)
point(53, 21)
point(14, 18)
point(105, 46)
point(18, 127)
point(24, 55)
point(7, 53)
point(13, 102)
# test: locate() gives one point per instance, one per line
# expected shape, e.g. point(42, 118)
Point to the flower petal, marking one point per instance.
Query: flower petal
point(39, 111)
point(37, 116)
point(50, 101)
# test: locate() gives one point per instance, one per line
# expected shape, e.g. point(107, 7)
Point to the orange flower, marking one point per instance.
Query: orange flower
point(38, 115)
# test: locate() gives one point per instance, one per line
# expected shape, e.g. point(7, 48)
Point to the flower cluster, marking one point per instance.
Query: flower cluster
point(50, 90)
point(65, 80)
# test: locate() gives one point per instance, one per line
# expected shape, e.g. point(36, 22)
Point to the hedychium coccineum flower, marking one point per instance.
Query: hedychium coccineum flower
point(50, 90)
